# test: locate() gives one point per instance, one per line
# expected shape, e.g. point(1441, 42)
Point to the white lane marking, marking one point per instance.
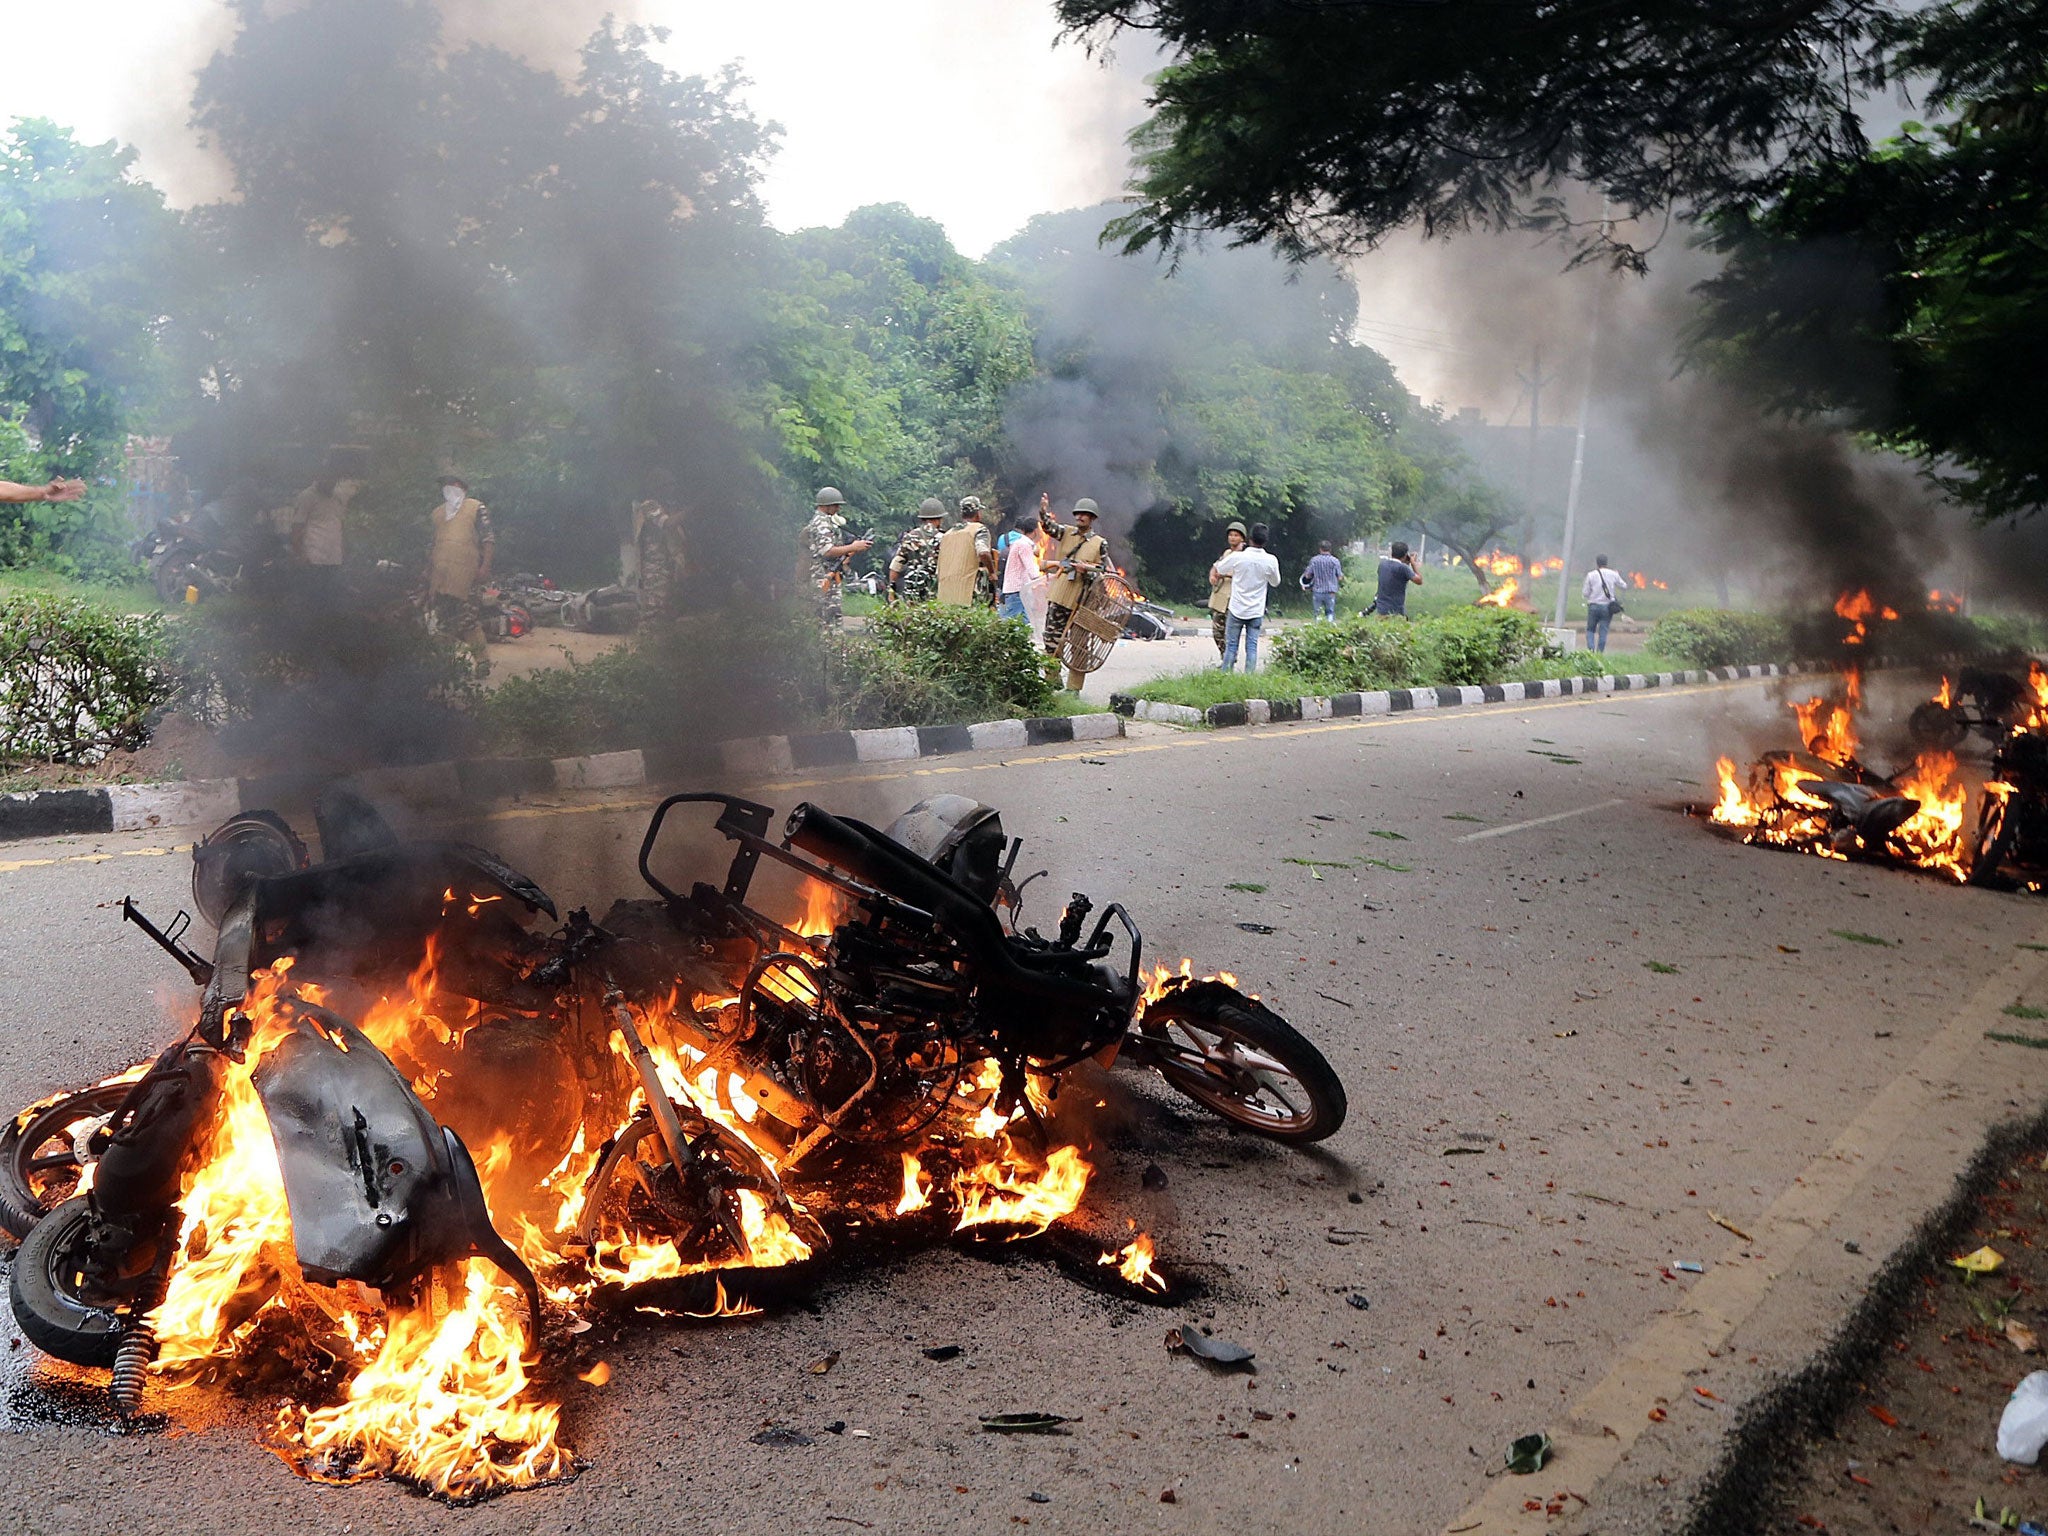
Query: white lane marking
point(1540, 821)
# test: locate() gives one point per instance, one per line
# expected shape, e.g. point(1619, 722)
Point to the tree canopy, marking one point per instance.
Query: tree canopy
point(1900, 288)
point(1906, 291)
point(565, 289)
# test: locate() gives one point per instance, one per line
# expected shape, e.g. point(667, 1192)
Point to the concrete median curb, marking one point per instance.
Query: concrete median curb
point(1394, 701)
point(206, 802)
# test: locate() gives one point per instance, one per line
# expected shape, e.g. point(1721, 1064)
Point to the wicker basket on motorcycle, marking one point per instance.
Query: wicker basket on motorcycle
point(1098, 622)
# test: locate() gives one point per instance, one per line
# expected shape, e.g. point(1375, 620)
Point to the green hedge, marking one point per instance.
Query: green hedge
point(1463, 646)
point(77, 681)
point(1716, 637)
point(770, 670)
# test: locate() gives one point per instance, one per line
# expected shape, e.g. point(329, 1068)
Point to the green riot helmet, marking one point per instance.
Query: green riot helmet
point(931, 507)
point(1086, 507)
point(830, 497)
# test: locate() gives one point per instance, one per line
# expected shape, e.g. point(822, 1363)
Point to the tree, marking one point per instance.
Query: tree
point(467, 262)
point(1225, 386)
point(1902, 287)
point(893, 384)
point(1328, 126)
point(1906, 292)
point(85, 249)
point(1450, 501)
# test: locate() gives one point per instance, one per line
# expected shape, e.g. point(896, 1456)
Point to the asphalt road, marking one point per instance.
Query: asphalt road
point(1481, 978)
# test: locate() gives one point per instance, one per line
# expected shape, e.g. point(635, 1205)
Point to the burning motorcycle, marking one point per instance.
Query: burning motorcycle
point(2012, 816)
point(666, 1091)
point(1990, 702)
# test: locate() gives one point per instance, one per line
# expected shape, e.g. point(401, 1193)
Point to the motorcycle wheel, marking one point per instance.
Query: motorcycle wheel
point(1240, 1059)
point(1995, 835)
point(43, 1152)
point(44, 1292)
point(170, 581)
point(1937, 725)
point(738, 1166)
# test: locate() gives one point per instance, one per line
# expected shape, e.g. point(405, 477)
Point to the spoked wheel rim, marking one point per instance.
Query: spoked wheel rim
point(48, 1150)
point(639, 1147)
point(1209, 1058)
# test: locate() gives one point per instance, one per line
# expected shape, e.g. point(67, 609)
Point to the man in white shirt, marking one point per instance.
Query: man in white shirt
point(1252, 573)
point(1602, 591)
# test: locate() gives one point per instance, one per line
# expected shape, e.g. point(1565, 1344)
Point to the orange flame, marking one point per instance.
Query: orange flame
point(1502, 595)
point(1134, 1262)
point(917, 1193)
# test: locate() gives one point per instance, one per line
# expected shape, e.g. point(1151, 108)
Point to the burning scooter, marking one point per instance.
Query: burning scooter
point(411, 1121)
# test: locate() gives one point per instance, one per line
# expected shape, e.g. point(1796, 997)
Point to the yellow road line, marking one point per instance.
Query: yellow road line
point(883, 772)
point(1655, 1367)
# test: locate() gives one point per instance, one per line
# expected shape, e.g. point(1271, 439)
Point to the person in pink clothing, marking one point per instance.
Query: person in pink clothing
point(1023, 580)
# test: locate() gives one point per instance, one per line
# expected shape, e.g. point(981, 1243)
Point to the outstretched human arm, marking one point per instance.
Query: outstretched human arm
point(56, 490)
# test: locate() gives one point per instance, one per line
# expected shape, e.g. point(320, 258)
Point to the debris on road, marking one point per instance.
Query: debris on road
point(1528, 1454)
point(1023, 1423)
point(1983, 1261)
point(1722, 1221)
point(1213, 1350)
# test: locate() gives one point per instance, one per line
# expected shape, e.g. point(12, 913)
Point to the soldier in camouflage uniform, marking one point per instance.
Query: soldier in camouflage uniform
point(914, 568)
point(826, 549)
point(658, 536)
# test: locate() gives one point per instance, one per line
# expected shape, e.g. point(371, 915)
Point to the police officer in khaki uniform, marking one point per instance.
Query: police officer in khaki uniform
point(1078, 551)
point(459, 564)
point(1219, 590)
point(967, 560)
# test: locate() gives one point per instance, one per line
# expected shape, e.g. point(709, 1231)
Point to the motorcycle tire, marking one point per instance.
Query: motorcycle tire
point(39, 1162)
point(1239, 1047)
point(1996, 832)
point(44, 1293)
point(1937, 725)
point(171, 581)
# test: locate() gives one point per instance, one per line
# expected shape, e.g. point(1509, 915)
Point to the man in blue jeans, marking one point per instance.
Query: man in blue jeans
point(1325, 574)
point(1602, 591)
point(1252, 573)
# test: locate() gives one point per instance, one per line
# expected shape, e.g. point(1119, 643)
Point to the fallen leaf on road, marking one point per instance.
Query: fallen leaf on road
point(1021, 1423)
point(1982, 1262)
point(1657, 1415)
point(820, 1367)
point(2023, 1338)
point(1884, 1416)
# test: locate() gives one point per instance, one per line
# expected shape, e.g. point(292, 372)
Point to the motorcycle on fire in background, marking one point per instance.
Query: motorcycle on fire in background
point(915, 1000)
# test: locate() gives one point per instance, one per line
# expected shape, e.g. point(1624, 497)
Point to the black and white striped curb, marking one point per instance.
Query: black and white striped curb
point(1394, 701)
point(206, 802)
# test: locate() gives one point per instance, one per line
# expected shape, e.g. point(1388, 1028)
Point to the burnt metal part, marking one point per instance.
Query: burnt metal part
point(378, 1191)
point(168, 940)
point(349, 825)
point(239, 850)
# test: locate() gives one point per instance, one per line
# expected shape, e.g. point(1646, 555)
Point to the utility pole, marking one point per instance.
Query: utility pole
point(1571, 496)
point(1533, 381)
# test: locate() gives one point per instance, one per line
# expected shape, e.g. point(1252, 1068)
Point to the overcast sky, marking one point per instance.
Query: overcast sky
point(963, 109)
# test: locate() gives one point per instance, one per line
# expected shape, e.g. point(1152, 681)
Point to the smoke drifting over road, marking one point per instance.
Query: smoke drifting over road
point(1684, 472)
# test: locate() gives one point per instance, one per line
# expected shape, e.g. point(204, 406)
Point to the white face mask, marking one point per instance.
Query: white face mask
point(453, 495)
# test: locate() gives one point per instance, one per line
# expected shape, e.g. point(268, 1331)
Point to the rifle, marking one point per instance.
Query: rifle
point(836, 577)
